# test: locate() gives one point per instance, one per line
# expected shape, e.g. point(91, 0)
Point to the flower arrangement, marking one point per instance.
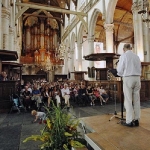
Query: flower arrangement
point(60, 131)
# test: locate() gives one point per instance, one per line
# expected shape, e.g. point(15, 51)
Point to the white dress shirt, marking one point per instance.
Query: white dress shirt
point(65, 91)
point(129, 64)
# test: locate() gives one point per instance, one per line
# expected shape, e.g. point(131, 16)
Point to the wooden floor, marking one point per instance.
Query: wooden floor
point(109, 135)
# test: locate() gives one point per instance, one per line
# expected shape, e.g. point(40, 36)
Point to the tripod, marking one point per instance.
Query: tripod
point(115, 112)
point(115, 89)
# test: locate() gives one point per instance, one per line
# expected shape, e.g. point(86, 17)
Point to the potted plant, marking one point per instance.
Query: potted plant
point(60, 131)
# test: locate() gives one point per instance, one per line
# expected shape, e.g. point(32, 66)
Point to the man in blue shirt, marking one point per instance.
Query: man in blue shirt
point(129, 68)
point(36, 96)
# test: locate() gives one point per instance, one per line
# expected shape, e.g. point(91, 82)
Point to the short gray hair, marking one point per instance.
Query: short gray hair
point(127, 46)
point(65, 84)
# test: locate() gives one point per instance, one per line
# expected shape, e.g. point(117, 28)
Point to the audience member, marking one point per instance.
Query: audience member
point(104, 94)
point(82, 95)
point(47, 95)
point(36, 96)
point(26, 98)
point(66, 95)
point(91, 96)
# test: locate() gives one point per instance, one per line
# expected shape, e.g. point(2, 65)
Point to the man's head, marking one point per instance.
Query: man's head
point(26, 88)
point(65, 85)
point(127, 47)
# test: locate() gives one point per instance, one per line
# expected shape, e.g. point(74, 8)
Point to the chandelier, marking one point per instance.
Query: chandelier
point(145, 12)
point(62, 52)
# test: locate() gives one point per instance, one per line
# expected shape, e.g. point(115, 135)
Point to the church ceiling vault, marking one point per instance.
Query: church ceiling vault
point(123, 24)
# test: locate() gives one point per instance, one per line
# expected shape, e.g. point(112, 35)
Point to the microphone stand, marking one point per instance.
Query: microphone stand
point(114, 73)
point(115, 112)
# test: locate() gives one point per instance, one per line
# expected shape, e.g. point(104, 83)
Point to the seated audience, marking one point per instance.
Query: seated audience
point(82, 95)
point(55, 93)
point(66, 95)
point(26, 98)
point(90, 94)
point(47, 95)
point(4, 76)
point(103, 93)
point(36, 96)
point(97, 94)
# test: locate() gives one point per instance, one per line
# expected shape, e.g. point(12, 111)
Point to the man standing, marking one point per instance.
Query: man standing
point(129, 68)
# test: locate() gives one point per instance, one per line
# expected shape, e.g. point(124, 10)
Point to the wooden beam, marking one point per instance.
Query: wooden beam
point(50, 8)
point(125, 38)
point(124, 24)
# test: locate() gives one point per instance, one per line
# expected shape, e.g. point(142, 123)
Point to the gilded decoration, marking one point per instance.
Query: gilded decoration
point(40, 41)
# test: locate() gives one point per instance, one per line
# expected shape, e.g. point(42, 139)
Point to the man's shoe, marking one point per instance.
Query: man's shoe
point(127, 124)
point(136, 123)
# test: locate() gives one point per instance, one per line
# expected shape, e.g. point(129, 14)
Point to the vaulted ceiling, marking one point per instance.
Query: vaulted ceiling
point(123, 25)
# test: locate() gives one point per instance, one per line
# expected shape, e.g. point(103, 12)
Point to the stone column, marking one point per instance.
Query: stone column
point(5, 27)
point(1, 24)
point(72, 65)
point(65, 67)
point(90, 51)
point(11, 39)
point(138, 32)
point(50, 76)
point(79, 66)
point(109, 38)
point(5, 3)
point(33, 69)
point(146, 44)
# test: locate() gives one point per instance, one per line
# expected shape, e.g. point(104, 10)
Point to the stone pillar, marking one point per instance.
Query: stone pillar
point(79, 66)
point(138, 32)
point(11, 39)
point(51, 76)
point(109, 38)
point(72, 65)
point(5, 3)
point(33, 69)
point(5, 27)
point(1, 24)
point(65, 67)
point(146, 44)
point(90, 51)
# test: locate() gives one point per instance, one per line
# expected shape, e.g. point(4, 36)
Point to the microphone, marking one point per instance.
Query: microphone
point(116, 62)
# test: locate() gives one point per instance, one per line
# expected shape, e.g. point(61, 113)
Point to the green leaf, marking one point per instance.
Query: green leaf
point(67, 134)
point(76, 144)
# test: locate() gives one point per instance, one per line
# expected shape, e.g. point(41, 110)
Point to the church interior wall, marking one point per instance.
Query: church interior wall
point(79, 32)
